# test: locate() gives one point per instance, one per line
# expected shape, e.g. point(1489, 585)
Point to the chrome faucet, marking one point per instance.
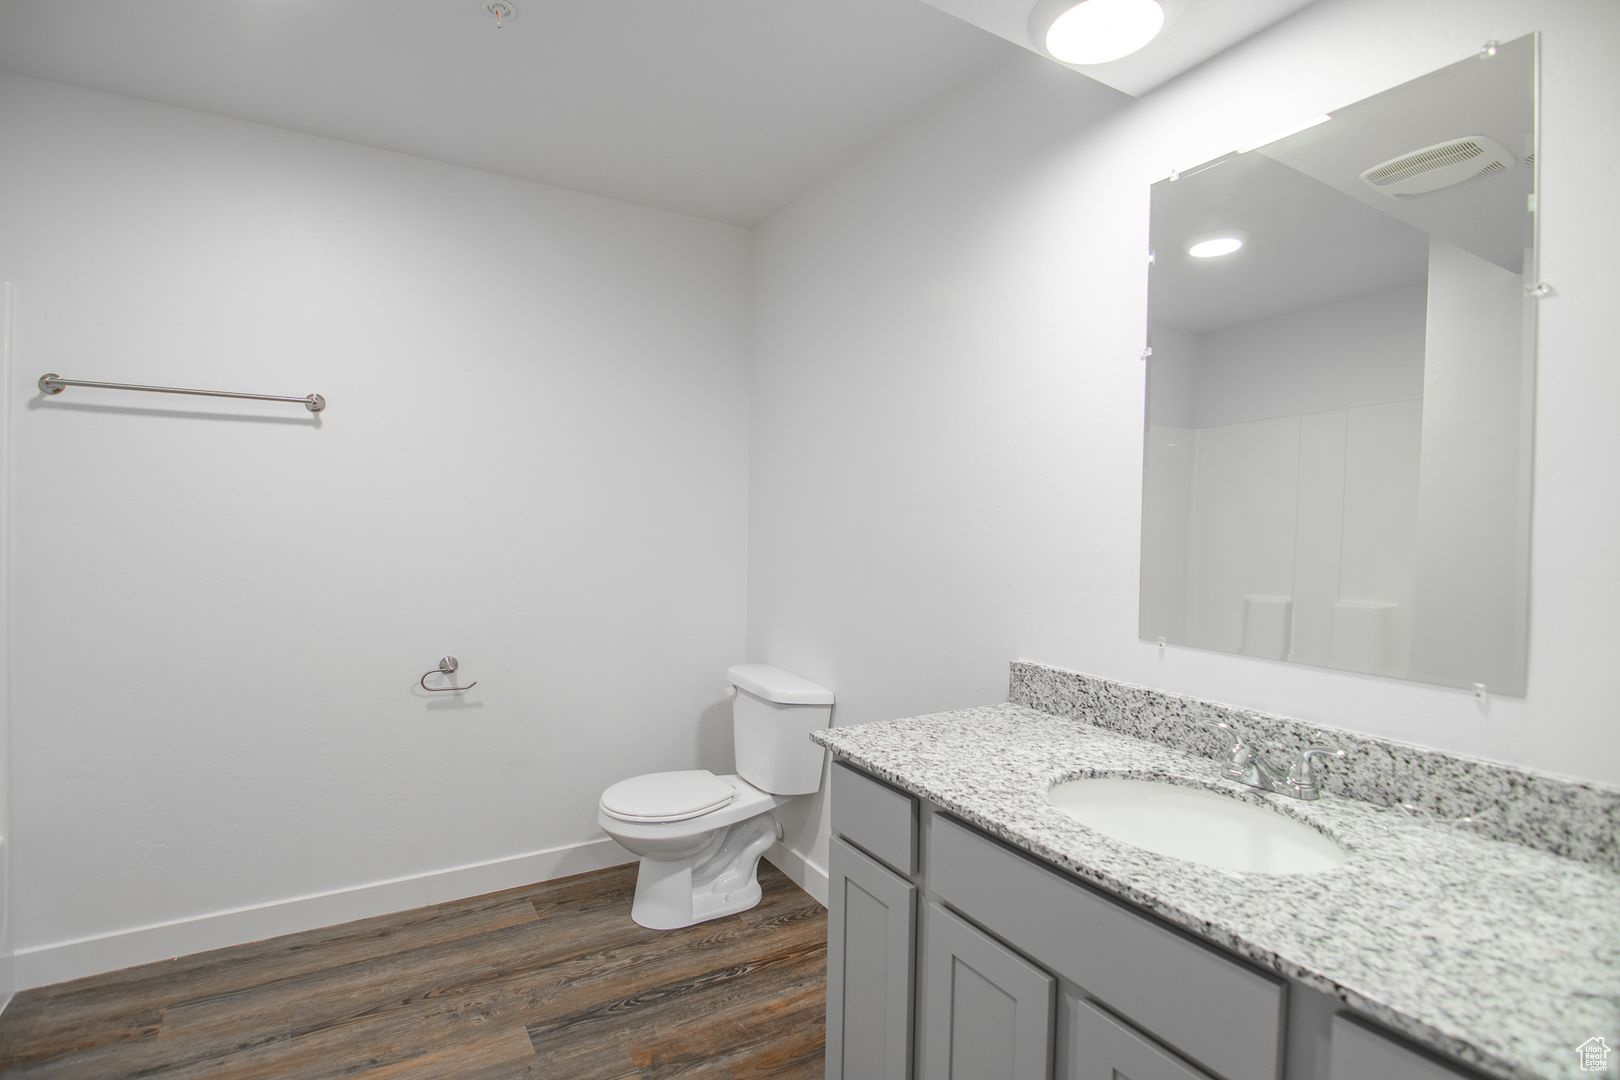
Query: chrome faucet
point(1299, 782)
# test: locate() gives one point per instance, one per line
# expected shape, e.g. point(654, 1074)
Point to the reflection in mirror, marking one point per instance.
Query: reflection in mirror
point(1340, 388)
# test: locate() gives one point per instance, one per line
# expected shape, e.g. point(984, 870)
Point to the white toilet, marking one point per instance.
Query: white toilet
point(699, 835)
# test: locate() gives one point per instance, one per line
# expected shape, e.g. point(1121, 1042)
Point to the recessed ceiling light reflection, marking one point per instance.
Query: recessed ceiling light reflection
point(1214, 245)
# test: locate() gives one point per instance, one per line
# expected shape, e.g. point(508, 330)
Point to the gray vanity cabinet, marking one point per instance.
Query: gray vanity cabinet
point(1210, 1008)
point(1099, 1047)
point(871, 931)
point(954, 956)
point(988, 1014)
point(878, 819)
point(1359, 1053)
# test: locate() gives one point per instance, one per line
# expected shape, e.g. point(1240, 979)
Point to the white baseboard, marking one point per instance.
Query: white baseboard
point(8, 978)
point(805, 874)
point(41, 965)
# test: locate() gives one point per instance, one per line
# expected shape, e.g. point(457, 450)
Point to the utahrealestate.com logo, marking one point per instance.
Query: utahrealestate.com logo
point(1594, 1055)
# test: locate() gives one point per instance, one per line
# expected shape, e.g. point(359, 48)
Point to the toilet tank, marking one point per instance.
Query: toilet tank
point(772, 717)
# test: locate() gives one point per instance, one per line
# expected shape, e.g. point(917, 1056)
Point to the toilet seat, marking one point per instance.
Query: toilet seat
point(667, 796)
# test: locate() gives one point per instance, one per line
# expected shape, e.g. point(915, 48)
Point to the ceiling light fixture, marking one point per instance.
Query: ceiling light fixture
point(1214, 245)
point(1098, 31)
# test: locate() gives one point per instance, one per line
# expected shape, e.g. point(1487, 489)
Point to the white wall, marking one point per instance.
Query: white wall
point(1172, 377)
point(1365, 350)
point(534, 458)
point(1477, 417)
point(1167, 452)
point(7, 963)
point(947, 424)
point(1167, 498)
point(1301, 481)
point(1301, 536)
point(1244, 498)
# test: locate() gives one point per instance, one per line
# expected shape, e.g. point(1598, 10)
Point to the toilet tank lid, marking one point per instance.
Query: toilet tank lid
point(774, 684)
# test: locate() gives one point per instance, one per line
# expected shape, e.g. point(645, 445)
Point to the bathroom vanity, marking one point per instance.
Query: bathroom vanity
point(977, 931)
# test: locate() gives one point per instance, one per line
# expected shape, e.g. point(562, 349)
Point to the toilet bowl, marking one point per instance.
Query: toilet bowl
point(694, 866)
point(700, 836)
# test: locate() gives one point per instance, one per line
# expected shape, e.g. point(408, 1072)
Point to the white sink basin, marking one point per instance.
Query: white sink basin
point(1197, 825)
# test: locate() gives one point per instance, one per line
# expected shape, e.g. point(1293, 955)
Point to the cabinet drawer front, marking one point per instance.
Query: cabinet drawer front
point(871, 935)
point(875, 817)
point(989, 1011)
point(1359, 1053)
point(1217, 1011)
point(1102, 1048)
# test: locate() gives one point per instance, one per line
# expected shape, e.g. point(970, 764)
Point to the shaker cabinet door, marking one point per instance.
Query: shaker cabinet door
point(871, 931)
point(987, 1011)
point(1101, 1048)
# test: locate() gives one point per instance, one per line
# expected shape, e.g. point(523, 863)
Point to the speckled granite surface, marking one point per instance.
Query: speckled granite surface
point(1500, 955)
point(1565, 817)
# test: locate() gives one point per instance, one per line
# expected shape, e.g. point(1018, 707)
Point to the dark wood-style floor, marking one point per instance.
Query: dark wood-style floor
point(552, 980)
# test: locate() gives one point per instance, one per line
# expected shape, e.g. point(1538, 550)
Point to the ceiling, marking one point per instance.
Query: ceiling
point(1308, 245)
point(1317, 234)
point(724, 109)
point(1494, 97)
point(1194, 31)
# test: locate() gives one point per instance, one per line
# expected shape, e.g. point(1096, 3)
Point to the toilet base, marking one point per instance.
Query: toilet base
point(721, 879)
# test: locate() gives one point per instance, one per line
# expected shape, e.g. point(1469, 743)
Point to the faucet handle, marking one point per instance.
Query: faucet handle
point(1240, 755)
point(1302, 775)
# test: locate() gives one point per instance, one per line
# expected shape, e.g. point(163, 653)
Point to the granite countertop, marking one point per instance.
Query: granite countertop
point(1496, 954)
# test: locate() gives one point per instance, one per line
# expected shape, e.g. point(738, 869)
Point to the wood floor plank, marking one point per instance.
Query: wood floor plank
point(450, 923)
point(569, 891)
point(323, 940)
point(597, 980)
point(84, 1017)
point(496, 1056)
point(549, 980)
point(404, 1052)
point(610, 1038)
point(330, 995)
point(48, 1037)
point(450, 1012)
point(776, 1036)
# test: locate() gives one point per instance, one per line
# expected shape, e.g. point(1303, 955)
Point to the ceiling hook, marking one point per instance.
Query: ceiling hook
point(502, 11)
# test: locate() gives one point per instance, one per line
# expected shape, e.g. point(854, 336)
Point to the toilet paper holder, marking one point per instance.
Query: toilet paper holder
point(447, 667)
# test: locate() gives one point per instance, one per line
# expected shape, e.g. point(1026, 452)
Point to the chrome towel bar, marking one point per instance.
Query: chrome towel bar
point(52, 383)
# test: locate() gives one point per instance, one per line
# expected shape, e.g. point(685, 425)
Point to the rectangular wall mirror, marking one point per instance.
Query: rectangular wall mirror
point(1341, 386)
